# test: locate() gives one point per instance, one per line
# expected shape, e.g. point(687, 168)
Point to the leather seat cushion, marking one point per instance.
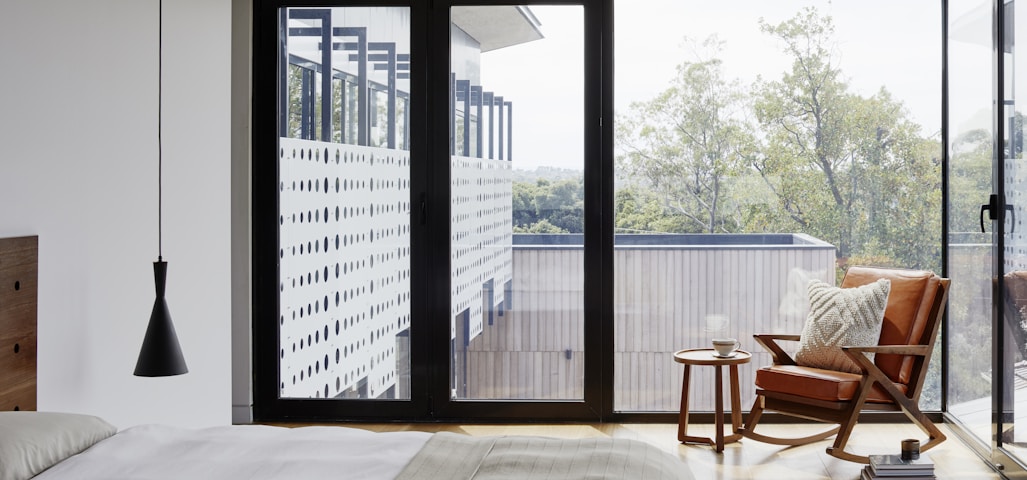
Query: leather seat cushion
point(817, 383)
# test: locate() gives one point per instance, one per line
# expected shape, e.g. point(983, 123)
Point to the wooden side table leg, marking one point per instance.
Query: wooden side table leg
point(736, 408)
point(719, 385)
point(736, 403)
point(683, 418)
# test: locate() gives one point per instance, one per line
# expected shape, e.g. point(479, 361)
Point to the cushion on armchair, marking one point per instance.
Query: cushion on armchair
point(828, 385)
point(841, 317)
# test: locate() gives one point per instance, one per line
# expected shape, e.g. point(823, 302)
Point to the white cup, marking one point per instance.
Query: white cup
point(725, 346)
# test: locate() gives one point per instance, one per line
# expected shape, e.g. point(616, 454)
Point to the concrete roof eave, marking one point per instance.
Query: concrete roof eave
point(496, 27)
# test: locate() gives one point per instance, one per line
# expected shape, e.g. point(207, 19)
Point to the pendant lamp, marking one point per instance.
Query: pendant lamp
point(161, 355)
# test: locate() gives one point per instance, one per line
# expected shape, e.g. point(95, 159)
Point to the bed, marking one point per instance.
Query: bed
point(59, 446)
point(65, 446)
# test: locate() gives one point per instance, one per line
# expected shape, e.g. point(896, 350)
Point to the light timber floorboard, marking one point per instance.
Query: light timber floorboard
point(747, 459)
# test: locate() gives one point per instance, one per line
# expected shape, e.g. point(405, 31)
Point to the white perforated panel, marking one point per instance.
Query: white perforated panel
point(344, 267)
point(482, 236)
point(345, 261)
point(1016, 237)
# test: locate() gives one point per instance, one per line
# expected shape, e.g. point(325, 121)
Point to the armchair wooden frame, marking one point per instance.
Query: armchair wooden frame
point(845, 412)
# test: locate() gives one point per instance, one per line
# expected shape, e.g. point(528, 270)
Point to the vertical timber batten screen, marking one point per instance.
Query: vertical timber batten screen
point(664, 297)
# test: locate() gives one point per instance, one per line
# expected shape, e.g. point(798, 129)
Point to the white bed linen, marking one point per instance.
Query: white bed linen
point(156, 452)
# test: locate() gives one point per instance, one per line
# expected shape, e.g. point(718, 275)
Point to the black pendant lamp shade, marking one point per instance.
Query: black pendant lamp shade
point(161, 355)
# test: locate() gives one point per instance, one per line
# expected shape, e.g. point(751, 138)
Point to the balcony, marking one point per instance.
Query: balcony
point(671, 292)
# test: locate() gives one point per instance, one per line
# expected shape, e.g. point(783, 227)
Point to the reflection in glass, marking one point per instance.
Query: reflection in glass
point(1013, 427)
point(970, 250)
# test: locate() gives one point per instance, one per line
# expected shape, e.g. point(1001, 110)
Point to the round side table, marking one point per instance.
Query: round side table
point(708, 356)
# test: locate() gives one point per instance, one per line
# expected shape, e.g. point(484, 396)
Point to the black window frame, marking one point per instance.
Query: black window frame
point(430, 197)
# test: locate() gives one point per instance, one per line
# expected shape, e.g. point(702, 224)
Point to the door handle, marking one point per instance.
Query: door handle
point(993, 212)
point(992, 208)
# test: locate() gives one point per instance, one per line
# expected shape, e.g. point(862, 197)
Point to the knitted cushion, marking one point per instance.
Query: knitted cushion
point(841, 317)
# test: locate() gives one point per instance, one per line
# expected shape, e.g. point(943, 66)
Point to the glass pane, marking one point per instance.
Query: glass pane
point(1014, 310)
point(344, 201)
point(761, 145)
point(970, 184)
point(517, 213)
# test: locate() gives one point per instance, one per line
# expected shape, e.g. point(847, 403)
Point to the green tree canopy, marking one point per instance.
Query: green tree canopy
point(851, 170)
point(549, 206)
point(800, 153)
point(687, 142)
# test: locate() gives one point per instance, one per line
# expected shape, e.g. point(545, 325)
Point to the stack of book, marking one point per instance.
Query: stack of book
point(893, 467)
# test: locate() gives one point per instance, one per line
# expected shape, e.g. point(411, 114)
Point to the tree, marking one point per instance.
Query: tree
point(851, 170)
point(970, 180)
point(549, 207)
point(637, 210)
point(685, 143)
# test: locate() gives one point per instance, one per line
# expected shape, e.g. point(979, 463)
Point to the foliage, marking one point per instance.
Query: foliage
point(685, 143)
point(801, 153)
point(295, 80)
point(638, 210)
point(848, 169)
point(969, 179)
point(549, 206)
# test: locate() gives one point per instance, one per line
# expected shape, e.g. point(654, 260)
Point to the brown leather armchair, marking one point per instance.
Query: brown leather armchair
point(892, 381)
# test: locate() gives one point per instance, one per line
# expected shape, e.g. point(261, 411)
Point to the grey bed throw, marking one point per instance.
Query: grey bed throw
point(458, 457)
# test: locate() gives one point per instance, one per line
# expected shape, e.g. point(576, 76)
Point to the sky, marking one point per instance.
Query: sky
point(895, 44)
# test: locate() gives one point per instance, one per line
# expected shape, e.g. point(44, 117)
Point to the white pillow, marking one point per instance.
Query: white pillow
point(841, 317)
point(31, 442)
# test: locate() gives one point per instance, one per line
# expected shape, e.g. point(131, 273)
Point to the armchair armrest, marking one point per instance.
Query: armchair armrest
point(769, 343)
point(870, 369)
point(918, 350)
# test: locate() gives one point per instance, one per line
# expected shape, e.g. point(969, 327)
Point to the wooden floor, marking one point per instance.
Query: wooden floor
point(748, 459)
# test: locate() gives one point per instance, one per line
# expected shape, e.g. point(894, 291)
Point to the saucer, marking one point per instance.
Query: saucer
point(730, 355)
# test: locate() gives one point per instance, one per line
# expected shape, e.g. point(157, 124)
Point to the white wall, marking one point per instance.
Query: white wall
point(78, 168)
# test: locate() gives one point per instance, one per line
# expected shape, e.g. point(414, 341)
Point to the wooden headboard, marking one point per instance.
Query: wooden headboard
point(18, 286)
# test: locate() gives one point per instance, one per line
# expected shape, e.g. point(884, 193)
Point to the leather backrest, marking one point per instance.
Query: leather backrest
point(907, 315)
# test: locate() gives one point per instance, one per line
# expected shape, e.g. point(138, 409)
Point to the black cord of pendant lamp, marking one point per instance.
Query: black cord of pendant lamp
point(161, 354)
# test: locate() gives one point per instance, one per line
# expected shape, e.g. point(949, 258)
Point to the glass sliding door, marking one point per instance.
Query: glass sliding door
point(759, 146)
point(970, 253)
point(424, 263)
point(344, 204)
point(1011, 310)
point(988, 249)
point(517, 203)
